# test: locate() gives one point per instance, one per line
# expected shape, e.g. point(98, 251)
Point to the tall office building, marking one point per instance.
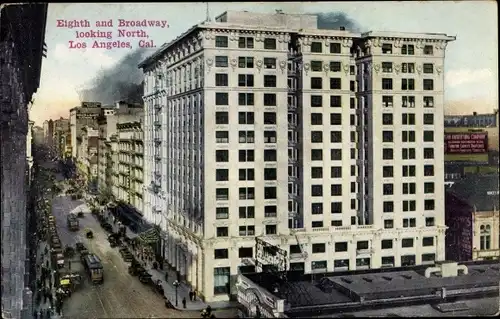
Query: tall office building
point(82, 116)
point(327, 143)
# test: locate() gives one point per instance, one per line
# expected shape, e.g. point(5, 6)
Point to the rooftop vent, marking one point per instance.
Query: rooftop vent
point(349, 281)
point(446, 269)
point(387, 278)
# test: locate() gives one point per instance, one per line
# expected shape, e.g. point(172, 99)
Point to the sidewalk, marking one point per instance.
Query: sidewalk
point(182, 290)
point(41, 261)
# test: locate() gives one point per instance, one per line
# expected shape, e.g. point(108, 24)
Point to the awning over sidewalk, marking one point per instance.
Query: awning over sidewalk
point(151, 236)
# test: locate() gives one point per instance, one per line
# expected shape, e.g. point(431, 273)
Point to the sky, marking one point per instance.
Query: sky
point(471, 67)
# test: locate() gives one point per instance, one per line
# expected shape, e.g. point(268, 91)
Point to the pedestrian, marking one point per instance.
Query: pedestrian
point(35, 314)
point(184, 302)
point(47, 313)
point(194, 295)
point(47, 264)
point(50, 283)
point(191, 295)
point(69, 264)
point(51, 299)
point(166, 276)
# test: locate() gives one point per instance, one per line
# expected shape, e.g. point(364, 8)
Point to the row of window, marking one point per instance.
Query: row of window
point(407, 49)
point(222, 137)
point(389, 223)
point(246, 230)
point(407, 119)
point(246, 193)
point(407, 101)
point(245, 174)
point(407, 171)
point(244, 42)
point(335, 154)
point(245, 118)
point(244, 80)
point(408, 188)
point(407, 84)
point(427, 68)
point(246, 212)
point(407, 153)
point(245, 62)
point(407, 136)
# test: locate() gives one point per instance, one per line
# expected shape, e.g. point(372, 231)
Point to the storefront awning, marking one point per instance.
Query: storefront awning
point(150, 236)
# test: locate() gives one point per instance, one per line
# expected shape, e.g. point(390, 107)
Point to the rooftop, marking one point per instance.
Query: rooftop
point(479, 191)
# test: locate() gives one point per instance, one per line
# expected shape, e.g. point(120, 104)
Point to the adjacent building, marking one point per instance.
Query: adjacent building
point(87, 161)
point(326, 143)
point(48, 132)
point(29, 144)
point(83, 116)
point(472, 217)
point(60, 134)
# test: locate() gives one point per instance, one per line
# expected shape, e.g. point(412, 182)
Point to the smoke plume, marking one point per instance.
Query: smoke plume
point(335, 20)
point(123, 81)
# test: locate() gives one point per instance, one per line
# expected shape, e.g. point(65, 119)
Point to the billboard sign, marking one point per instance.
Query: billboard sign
point(466, 143)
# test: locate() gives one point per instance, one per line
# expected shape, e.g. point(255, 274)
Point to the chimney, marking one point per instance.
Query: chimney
point(342, 28)
point(474, 113)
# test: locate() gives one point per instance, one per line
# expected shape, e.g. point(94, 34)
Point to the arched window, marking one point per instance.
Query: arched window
point(485, 237)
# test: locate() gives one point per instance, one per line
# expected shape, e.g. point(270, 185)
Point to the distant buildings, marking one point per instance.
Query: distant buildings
point(38, 135)
point(83, 116)
point(60, 136)
point(48, 133)
point(322, 142)
point(472, 216)
point(87, 160)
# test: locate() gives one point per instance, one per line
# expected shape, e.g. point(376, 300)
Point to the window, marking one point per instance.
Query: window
point(246, 212)
point(246, 137)
point(409, 222)
point(387, 67)
point(352, 70)
point(408, 260)
point(428, 170)
point(428, 136)
point(316, 155)
point(316, 119)
point(269, 136)
point(428, 153)
point(335, 101)
point(335, 66)
point(352, 103)
point(335, 48)
point(269, 99)
point(361, 245)
point(387, 119)
point(485, 237)
point(386, 48)
point(408, 49)
point(222, 193)
point(335, 83)
point(245, 80)
point(221, 61)
point(428, 241)
point(221, 156)
point(428, 50)
point(245, 99)
point(386, 84)
point(221, 118)
point(336, 154)
point(245, 252)
point(271, 230)
point(341, 247)
point(387, 101)
point(316, 47)
point(269, 118)
point(336, 172)
point(270, 174)
point(408, 118)
point(246, 156)
point(336, 190)
point(336, 223)
point(409, 170)
point(246, 174)
point(245, 118)
point(407, 242)
point(221, 99)
point(316, 190)
point(335, 119)
point(428, 101)
point(269, 63)
point(428, 84)
point(222, 137)
point(316, 101)
point(221, 174)
point(317, 136)
point(316, 172)
point(408, 68)
point(245, 43)
point(388, 207)
point(246, 230)
point(429, 204)
point(221, 253)
point(408, 101)
point(408, 136)
point(387, 136)
point(408, 153)
point(352, 119)
point(318, 248)
point(388, 171)
point(222, 213)
point(352, 86)
point(431, 258)
point(269, 44)
point(245, 62)
point(336, 137)
point(386, 244)
point(221, 41)
point(269, 192)
point(387, 153)
point(270, 155)
point(388, 189)
point(270, 211)
point(316, 66)
point(221, 79)
point(408, 84)
point(246, 193)
point(409, 205)
point(222, 231)
point(221, 280)
point(317, 208)
point(429, 221)
point(428, 68)
point(428, 119)
point(388, 223)
point(270, 81)
point(316, 83)
point(336, 208)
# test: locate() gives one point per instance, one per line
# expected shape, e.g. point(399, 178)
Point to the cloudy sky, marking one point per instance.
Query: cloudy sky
point(471, 61)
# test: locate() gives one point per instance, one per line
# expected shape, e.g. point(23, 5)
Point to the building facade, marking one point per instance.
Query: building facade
point(87, 161)
point(61, 130)
point(48, 132)
point(29, 144)
point(83, 116)
point(230, 104)
point(38, 136)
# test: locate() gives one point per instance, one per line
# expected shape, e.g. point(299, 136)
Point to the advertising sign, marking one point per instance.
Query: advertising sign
point(466, 143)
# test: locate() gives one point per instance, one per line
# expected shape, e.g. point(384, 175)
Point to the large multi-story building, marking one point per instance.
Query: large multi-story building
point(83, 116)
point(326, 143)
point(60, 133)
point(22, 47)
point(29, 143)
point(87, 161)
point(48, 132)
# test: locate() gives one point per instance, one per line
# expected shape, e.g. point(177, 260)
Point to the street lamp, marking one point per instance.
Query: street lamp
point(176, 285)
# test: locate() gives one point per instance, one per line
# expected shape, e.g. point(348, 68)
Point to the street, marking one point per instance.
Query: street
point(121, 295)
